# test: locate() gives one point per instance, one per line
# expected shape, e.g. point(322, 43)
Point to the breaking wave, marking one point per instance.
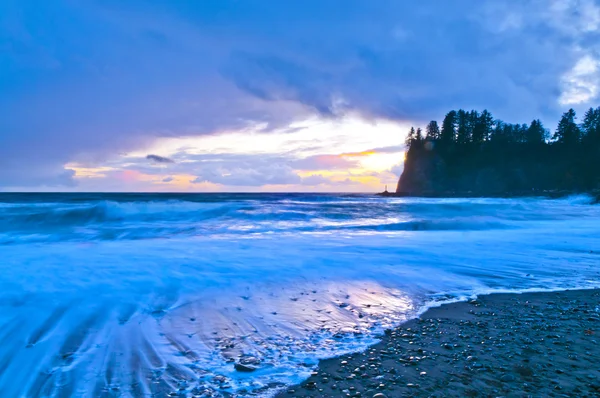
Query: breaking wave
point(156, 294)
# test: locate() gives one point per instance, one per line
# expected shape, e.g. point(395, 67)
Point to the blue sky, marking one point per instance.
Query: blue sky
point(269, 95)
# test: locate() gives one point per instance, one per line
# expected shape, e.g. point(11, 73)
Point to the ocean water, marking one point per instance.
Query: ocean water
point(141, 294)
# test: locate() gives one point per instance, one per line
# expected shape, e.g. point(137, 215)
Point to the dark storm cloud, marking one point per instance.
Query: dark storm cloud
point(159, 159)
point(80, 81)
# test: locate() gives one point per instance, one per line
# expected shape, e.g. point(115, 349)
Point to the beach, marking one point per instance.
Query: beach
point(498, 345)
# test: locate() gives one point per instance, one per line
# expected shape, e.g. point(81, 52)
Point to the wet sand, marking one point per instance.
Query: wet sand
point(500, 345)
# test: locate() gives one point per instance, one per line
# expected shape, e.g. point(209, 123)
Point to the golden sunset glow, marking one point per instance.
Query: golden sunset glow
point(381, 161)
point(316, 155)
point(88, 172)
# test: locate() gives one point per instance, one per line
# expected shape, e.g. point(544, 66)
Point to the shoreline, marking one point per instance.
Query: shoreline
point(558, 194)
point(500, 344)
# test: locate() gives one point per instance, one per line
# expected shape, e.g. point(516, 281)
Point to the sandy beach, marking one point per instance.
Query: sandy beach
point(499, 345)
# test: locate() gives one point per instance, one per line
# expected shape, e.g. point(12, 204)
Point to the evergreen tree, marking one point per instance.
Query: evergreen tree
point(591, 124)
point(463, 133)
point(497, 133)
point(522, 132)
point(448, 133)
point(510, 133)
point(567, 132)
point(419, 134)
point(410, 137)
point(473, 153)
point(432, 130)
point(482, 128)
point(487, 121)
point(536, 133)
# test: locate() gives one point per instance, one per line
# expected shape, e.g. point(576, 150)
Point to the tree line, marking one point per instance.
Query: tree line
point(473, 151)
point(473, 127)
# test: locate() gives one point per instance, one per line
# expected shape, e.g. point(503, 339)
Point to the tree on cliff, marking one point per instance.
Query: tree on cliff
point(419, 134)
point(567, 132)
point(475, 153)
point(432, 130)
point(482, 129)
point(410, 137)
point(463, 131)
point(448, 133)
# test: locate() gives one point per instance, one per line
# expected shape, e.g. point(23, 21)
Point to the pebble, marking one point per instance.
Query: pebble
point(514, 344)
point(240, 367)
point(311, 385)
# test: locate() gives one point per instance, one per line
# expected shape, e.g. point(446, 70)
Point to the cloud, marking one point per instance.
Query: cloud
point(369, 152)
point(35, 174)
point(263, 174)
point(81, 81)
point(159, 159)
point(246, 170)
point(582, 83)
point(397, 169)
point(229, 172)
point(573, 17)
point(315, 179)
point(324, 162)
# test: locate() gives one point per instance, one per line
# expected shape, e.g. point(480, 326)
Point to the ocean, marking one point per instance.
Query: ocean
point(141, 294)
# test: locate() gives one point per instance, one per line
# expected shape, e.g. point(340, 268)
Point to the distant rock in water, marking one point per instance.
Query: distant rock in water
point(475, 155)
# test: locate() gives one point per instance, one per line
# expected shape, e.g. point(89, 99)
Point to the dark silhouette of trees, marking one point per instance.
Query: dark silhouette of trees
point(591, 125)
point(448, 134)
point(474, 153)
point(410, 137)
point(536, 133)
point(482, 126)
point(432, 131)
point(419, 134)
point(567, 131)
point(463, 131)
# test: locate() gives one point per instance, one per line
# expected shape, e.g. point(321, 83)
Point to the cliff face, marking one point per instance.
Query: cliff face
point(422, 172)
point(516, 168)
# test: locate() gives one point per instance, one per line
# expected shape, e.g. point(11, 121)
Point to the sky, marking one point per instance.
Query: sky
point(263, 95)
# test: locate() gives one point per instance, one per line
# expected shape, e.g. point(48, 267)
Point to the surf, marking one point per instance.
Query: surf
point(149, 294)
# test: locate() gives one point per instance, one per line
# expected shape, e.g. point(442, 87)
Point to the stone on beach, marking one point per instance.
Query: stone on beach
point(497, 345)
